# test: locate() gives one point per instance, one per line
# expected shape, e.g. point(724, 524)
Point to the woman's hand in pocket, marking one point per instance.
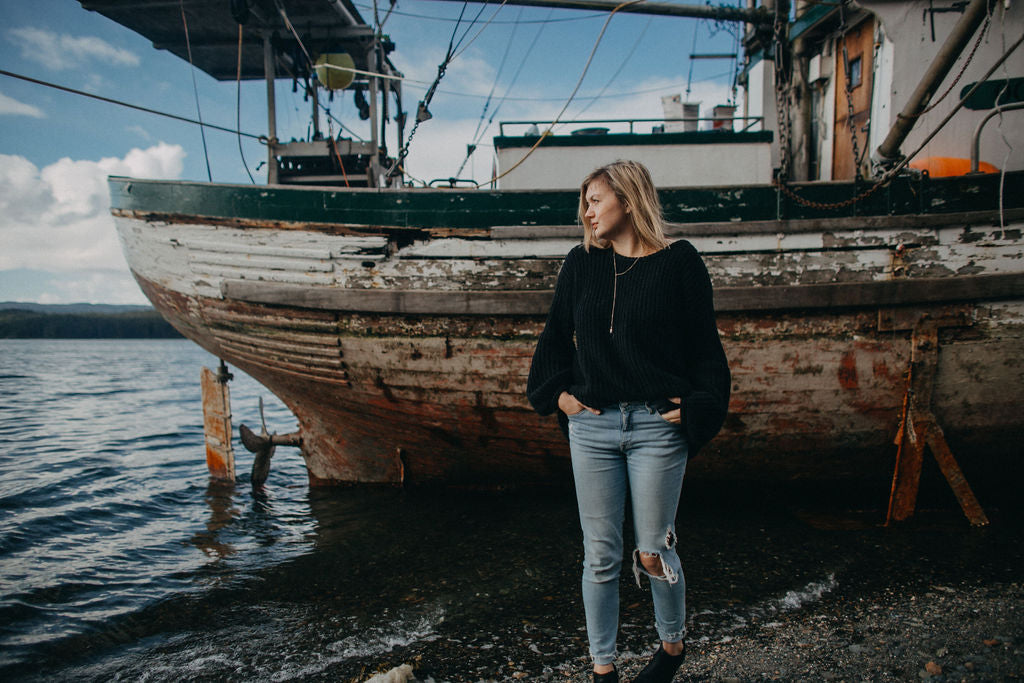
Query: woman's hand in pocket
point(675, 416)
point(568, 404)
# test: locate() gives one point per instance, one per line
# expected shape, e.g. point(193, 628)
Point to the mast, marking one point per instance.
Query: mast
point(271, 76)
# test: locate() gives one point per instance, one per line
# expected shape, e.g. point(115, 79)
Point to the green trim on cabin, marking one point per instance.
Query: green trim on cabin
point(483, 209)
point(700, 137)
point(811, 18)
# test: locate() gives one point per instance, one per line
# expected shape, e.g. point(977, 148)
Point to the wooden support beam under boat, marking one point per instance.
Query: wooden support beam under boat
point(919, 428)
point(220, 456)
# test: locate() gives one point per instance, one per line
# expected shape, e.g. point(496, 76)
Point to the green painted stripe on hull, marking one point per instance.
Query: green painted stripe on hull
point(481, 209)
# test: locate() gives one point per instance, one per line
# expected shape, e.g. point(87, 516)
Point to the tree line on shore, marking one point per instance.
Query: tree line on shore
point(26, 324)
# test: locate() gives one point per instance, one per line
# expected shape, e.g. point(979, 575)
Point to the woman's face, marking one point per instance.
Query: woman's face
point(608, 217)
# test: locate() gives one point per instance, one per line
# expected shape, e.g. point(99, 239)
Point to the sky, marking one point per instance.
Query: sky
point(58, 243)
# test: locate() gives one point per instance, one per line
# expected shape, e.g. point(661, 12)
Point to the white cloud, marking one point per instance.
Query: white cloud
point(140, 131)
point(12, 107)
point(58, 218)
point(56, 51)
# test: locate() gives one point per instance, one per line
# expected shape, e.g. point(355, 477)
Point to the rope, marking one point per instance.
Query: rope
point(195, 89)
point(586, 67)
point(137, 107)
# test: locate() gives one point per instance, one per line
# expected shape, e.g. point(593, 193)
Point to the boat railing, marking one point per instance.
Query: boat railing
point(976, 140)
point(741, 124)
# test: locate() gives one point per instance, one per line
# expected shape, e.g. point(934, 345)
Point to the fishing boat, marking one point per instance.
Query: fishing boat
point(864, 294)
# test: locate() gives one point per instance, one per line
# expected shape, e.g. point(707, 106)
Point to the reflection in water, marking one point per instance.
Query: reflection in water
point(220, 499)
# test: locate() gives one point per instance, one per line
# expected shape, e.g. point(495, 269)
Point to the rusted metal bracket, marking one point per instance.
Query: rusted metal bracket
point(220, 456)
point(919, 429)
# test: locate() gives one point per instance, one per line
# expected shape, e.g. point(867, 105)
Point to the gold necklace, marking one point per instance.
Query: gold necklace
point(615, 287)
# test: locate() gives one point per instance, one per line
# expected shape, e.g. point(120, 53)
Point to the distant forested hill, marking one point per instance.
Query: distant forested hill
point(81, 321)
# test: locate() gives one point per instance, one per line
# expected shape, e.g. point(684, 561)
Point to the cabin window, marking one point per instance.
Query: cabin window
point(855, 72)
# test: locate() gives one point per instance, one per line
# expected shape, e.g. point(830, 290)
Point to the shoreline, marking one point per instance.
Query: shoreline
point(931, 599)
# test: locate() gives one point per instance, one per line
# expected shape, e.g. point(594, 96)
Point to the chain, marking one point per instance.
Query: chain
point(781, 95)
point(786, 190)
point(963, 70)
point(855, 146)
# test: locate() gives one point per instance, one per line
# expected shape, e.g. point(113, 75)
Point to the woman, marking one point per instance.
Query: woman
point(630, 356)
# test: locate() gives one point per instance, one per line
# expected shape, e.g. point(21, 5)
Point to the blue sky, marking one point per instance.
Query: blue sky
point(57, 241)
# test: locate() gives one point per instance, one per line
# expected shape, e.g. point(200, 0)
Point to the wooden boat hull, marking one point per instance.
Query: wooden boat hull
point(402, 344)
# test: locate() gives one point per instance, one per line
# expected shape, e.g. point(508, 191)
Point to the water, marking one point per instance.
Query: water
point(119, 559)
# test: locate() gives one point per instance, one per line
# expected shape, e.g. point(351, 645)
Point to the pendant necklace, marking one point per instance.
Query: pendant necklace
point(615, 287)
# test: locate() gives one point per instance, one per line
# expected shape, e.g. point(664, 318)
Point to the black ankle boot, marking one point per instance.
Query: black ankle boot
point(610, 677)
point(662, 667)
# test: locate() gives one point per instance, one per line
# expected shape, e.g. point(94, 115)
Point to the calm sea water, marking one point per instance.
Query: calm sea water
point(120, 560)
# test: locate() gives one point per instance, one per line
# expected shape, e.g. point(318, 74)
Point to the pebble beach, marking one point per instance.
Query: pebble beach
point(779, 593)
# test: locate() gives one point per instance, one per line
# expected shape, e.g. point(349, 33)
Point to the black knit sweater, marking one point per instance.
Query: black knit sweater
point(665, 342)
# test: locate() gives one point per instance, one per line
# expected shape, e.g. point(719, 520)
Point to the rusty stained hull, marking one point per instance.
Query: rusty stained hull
point(399, 326)
point(423, 400)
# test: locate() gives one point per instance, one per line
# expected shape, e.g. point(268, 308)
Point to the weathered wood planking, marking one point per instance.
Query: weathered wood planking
point(404, 353)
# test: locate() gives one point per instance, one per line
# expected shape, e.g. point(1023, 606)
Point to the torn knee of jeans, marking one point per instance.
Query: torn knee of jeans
point(670, 538)
point(661, 571)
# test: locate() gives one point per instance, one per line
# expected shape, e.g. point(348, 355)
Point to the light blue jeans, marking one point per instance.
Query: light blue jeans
point(630, 448)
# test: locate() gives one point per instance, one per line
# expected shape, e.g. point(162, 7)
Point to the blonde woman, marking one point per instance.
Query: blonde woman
point(631, 359)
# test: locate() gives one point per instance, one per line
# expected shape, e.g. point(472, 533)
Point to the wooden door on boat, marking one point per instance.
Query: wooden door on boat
point(859, 53)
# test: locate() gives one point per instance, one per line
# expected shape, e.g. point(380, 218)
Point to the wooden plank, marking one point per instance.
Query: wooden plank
point(786, 227)
point(220, 457)
point(530, 302)
point(392, 301)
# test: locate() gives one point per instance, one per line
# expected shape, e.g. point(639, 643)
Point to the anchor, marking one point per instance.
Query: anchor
point(262, 446)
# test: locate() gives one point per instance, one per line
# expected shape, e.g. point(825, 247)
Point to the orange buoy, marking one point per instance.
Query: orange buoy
point(941, 167)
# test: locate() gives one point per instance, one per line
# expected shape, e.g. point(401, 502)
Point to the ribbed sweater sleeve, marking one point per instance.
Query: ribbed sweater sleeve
point(706, 404)
point(553, 359)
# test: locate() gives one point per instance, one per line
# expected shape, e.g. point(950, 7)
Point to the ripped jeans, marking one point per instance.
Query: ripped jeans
point(628, 447)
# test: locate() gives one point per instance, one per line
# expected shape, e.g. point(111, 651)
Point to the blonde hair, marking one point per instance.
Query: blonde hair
point(631, 183)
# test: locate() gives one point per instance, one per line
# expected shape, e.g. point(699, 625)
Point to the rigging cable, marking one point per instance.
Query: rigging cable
point(586, 17)
point(693, 49)
point(586, 67)
point(195, 89)
point(129, 105)
point(422, 111)
point(618, 71)
point(238, 105)
point(288, 24)
point(487, 103)
point(519, 70)
point(511, 84)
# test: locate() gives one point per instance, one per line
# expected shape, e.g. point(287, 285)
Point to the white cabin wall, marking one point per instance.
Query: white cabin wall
point(760, 101)
point(827, 112)
point(913, 50)
point(562, 168)
point(882, 114)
